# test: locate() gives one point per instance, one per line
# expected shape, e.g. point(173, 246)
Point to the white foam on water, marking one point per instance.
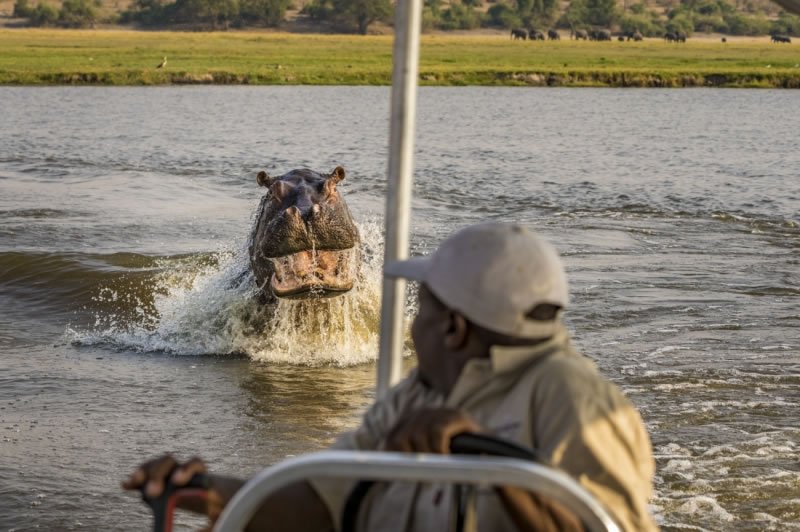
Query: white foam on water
point(671, 449)
point(203, 308)
point(677, 465)
point(667, 349)
point(678, 386)
point(721, 450)
point(707, 506)
point(761, 516)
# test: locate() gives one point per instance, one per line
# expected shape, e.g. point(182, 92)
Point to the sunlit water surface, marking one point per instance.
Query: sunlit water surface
point(124, 217)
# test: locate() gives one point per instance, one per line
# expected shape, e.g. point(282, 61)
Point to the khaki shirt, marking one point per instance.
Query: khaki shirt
point(547, 397)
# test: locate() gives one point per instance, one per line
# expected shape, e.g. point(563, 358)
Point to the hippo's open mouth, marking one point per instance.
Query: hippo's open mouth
point(320, 273)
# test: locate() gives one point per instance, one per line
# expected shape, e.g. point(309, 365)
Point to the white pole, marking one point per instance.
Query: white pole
point(398, 194)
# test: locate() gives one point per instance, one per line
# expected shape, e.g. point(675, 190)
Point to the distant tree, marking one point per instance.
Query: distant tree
point(22, 9)
point(601, 12)
point(786, 25)
point(361, 13)
point(708, 8)
point(592, 12)
point(681, 20)
point(741, 24)
point(215, 13)
point(460, 17)
point(45, 14)
point(318, 10)
point(637, 9)
point(648, 24)
point(576, 14)
point(435, 6)
point(265, 12)
point(503, 15)
point(524, 7)
point(537, 13)
point(78, 13)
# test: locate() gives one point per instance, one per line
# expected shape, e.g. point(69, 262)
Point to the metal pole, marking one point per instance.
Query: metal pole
point(398, 194)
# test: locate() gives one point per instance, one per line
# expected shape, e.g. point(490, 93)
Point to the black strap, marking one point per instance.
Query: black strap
point(353, 503)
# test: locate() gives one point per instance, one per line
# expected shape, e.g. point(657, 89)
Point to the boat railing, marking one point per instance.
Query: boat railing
point(467, 470)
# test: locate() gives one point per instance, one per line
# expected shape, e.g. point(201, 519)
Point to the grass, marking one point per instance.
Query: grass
point(44, 56)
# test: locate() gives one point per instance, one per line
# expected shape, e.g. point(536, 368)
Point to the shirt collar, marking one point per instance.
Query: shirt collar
point(502, 359)
point(508, 358)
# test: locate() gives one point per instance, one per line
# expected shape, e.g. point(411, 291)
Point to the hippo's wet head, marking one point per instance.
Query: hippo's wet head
point(304, 243)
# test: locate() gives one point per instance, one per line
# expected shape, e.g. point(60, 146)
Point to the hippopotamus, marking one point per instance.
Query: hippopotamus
point(304, 242)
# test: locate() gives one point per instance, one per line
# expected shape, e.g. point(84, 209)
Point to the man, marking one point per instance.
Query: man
point(494, 357)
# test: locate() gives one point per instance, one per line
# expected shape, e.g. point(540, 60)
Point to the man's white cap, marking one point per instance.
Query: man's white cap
point(494, 274)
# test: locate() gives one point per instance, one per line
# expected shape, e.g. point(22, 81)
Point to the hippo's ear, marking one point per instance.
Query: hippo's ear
point(263, 179)
point(337, 174)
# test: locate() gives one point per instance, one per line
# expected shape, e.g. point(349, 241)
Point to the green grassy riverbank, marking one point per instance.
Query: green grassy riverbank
point(97, 57)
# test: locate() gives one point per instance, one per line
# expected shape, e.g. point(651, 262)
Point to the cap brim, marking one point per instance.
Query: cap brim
point(413, 269)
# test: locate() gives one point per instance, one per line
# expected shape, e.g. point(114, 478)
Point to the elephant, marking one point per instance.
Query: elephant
point(600, 35)
point(517, 33)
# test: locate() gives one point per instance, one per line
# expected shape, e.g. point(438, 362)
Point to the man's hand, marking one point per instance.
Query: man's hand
point(151, 477)
point(278, 513)
point(429, 430)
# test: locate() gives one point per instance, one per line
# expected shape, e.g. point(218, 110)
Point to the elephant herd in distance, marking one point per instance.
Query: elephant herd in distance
point(606, 35)
point(590, 35)
point(534, 35)
point(675, 36)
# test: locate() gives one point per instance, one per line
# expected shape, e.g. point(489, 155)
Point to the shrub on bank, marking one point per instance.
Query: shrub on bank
point(263, 12)
point(739, 24)
point(590, 13)
point(353, 14)
point(648, 24)
point(503, 15)
point(73, 13)
point(45, 14)
point(459, 17)
point(681, 19)
point(786, 25)
point(78, 13)
point(22, 9)
point(709, 23)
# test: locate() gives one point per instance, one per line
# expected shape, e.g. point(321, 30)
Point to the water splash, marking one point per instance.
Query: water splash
point(201, 306)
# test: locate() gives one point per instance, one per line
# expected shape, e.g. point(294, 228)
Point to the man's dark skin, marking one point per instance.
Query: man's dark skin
point(444, 341)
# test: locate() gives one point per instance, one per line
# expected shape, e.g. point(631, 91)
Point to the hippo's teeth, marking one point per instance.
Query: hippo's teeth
point(315, 209)
point(293, 212)
point(339, 264)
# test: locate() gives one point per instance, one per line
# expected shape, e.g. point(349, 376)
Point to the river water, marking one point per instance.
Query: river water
point(124, 214)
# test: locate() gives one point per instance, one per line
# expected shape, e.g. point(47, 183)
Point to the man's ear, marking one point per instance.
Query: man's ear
point(457, 332)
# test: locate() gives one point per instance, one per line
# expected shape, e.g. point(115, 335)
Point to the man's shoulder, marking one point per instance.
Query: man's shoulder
point(570, 376)
point(409, 393)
